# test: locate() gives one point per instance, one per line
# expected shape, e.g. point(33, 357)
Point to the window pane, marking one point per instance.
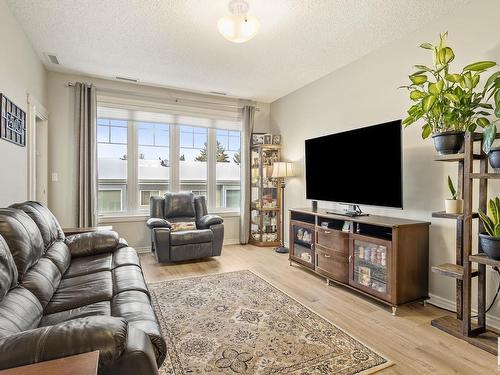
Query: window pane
point(154, 161)
point(193, 160)
point(103, 134)
point(112, 165)
point(118, 135)
point(109, 200)
point(228, 170)
point(146, 136)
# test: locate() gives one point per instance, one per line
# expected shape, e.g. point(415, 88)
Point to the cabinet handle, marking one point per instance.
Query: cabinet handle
point(327, 232)
point(350, 258)
point(327, 256)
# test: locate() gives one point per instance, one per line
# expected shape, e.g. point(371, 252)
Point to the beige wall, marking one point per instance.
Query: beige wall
point(21, 73)
point(62, 157)
point(365, 93)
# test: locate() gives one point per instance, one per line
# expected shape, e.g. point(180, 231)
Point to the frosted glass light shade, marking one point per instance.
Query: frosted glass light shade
point(283, 169)
point(238, 28)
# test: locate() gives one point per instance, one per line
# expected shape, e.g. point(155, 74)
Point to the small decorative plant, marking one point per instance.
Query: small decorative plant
point(453, 191)
point(449, 101)
point(491, 221)
point(490, 241)
point(453, 205)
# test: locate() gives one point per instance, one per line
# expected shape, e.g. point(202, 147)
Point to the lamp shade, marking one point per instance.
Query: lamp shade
point(238, 28)
point(283, 169)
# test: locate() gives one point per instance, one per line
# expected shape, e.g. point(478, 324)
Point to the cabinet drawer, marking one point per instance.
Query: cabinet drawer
point(333, 239)
point(332, 266)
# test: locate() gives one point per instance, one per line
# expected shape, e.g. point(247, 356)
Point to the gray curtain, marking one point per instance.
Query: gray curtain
point(248, 115)
point(86, 148)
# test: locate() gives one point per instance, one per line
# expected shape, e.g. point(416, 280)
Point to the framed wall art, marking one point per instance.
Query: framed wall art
point(12, 122)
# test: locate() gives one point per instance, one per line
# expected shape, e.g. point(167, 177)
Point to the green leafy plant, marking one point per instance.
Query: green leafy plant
point(448, 101)
point(453, 191)
point(491, 221)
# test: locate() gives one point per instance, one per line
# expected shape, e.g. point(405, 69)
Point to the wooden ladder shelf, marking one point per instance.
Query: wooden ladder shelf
point(464, 325)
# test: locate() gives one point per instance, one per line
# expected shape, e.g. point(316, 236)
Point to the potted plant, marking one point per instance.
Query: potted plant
point(448, 103)
point(453, 205)
point(492, 90)
point(490, 241)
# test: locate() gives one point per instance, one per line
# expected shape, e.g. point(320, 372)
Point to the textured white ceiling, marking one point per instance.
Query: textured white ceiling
point(175, 43)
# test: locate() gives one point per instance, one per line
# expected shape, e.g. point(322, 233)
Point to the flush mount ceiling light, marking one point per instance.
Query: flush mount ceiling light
point(238, 27)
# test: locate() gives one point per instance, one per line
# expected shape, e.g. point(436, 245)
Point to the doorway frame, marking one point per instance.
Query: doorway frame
point(36, 111)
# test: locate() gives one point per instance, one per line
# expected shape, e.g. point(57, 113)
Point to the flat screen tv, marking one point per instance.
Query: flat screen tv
point(361, 166)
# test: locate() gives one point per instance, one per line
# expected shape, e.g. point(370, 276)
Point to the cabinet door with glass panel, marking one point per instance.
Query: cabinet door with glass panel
point(302, 239)
point(265, 197)
point(370, 265)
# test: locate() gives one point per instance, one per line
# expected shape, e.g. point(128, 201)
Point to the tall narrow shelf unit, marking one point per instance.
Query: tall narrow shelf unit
point(463, 326)
point(265, 198)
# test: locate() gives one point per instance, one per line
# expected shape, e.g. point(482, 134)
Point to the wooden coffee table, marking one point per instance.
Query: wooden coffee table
point(80, 364)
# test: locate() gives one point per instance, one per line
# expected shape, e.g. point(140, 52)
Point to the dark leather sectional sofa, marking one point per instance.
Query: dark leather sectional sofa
point(61, 296)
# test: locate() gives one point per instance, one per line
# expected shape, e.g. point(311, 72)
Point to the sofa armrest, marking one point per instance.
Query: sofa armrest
point(156, 222)
point(206, 221)
point(104, 333)
point(93, 243)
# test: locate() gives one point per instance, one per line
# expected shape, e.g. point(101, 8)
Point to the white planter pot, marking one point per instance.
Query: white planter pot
point(454, 206)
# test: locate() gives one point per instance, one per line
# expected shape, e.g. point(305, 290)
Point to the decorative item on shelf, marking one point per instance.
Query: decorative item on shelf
point(257, 138)
point(12, 122)
point(282, 170)
point(238, 26)
point(277, 140)
point(449, 104)
point(268, 139)
point(490, 241)
point(453, 205)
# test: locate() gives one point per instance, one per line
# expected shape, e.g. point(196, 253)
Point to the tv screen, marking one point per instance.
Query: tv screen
point(361, 166)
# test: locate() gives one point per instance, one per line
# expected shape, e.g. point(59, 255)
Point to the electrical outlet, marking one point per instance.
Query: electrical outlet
point(55, 177)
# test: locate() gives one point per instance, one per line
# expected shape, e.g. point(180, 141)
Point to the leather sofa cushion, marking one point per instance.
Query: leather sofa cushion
point(46, 222)
point(8, 270)
point(92, 243)
point(59, 254)
point(80, 291)
point(190, 237)
point(179, 205)
point(190, 251)
point(90, 264)
point(23, 238)
point(20, 310)
point(127, 278)
point(99, 308)
point(126, 256)
point(42, 280)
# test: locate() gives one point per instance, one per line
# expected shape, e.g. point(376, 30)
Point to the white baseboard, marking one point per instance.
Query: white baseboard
point(492, 321)
point(231, 241)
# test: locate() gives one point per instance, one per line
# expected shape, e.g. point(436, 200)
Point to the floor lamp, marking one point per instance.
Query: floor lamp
point(282, 170)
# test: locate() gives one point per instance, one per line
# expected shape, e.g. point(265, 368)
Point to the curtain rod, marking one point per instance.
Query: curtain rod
point(173, 98)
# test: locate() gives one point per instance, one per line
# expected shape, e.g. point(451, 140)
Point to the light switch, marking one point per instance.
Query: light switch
point(55, 177)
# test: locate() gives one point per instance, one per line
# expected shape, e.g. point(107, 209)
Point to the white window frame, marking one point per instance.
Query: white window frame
point(132, 204)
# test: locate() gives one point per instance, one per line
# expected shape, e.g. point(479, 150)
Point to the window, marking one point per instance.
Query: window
point(112, 136)
point(228, 169)
point(154, 160)
point(193, 159)
point(139, 159)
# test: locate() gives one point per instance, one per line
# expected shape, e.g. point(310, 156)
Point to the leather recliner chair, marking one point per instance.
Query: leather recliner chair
point(61, 296)
point(174, 246)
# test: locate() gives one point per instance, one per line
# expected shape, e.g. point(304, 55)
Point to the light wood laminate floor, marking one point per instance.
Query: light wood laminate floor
point(407, 339)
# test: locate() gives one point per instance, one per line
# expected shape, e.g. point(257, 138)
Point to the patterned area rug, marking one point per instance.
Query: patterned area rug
point(237, 323)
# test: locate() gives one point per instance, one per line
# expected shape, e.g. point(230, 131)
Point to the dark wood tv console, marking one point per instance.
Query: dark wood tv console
point(382, 257)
